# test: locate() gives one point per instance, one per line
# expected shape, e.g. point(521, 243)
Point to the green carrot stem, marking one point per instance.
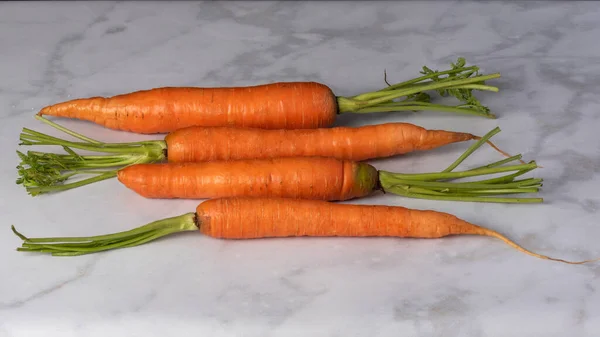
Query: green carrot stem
point(500, 162)
point(95, 247)
point(67, 131)
point(471, 186)
point(71, 157)
point(507, 178)
point(71, 246)
point(422, 87)
point(409, 194)
point(523, 183)
point(42, 172)
point(506, 191)
point(349, 105)
point(433, 86)
point(458, 191)
point(420, 107)
point(31, 137)
point(82, 137)
point(458, 82)
point(36, 190)
point(455, 175)
point(68, 162)
point(468, 70)
point(472, 149)
point(475, 86)
point(474, 193)
point(439, 185)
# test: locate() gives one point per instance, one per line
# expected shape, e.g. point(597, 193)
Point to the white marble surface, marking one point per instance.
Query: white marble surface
point(190, 285)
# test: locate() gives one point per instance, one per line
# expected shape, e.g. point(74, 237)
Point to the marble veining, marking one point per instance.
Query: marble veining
point(548, 109)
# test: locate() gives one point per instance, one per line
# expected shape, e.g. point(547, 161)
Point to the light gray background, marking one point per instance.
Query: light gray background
point(190, 285)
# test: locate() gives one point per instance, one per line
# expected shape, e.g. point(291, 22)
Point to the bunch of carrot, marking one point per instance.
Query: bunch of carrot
point(270, 163)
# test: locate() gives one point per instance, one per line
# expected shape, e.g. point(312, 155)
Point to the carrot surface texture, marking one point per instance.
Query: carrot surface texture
point(198, 144)
point(319, 178)
point(256, 218)
point(280, 105)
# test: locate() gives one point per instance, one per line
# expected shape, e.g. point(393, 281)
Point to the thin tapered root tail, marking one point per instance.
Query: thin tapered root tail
point(495, 147)
point(492, 233)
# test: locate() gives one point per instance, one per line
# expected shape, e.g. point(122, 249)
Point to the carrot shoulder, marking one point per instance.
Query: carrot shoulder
point(257, 218)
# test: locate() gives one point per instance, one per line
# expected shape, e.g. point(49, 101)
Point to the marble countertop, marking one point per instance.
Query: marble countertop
point(548, 109)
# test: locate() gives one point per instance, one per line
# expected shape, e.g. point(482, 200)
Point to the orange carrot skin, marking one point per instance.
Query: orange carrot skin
point(253, 218)
point(280, 105)
point(306, 177)
point(197, 144)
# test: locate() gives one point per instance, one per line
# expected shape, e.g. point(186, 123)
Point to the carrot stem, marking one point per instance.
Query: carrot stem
point(476, 86)
point(67, 131)
point(473, 193)
point(440, 185)
point(398, 183)
point(36, 190)
point(458, 81)
point(419, 107)
point(465, 186)
point(502, 162)
point(72, 246)
point(507, 178)
point(41, 172)
point(468, 71)
point(379, 94)
point(472, 149)
point(460, 174)
point(407, 193)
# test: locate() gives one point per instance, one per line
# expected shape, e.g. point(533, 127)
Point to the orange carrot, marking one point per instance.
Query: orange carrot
point(310, 177)
point(256, 218)
point(280, 105)
point(296, 177)
point(305, 177)
point(196, 144)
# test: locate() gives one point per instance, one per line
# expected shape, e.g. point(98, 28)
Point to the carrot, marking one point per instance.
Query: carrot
point(279, 105)
point(297, 177)
point(197, 144)
point(255, 218)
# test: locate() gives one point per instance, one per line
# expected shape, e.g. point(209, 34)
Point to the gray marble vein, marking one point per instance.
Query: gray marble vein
point(548, 109)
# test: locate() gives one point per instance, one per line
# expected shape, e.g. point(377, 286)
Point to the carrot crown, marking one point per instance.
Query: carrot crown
point(459, 81)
